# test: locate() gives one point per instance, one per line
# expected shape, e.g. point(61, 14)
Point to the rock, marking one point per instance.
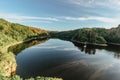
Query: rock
point(7, 64)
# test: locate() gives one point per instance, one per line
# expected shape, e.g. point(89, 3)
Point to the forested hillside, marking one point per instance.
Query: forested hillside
point(13, 32)
point(90, 35)
point(113, 35)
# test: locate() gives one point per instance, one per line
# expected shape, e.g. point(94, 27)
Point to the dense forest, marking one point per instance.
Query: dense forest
point(90, 35)
point(11, 34)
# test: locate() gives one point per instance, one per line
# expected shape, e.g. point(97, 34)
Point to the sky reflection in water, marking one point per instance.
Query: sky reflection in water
point(69, 61)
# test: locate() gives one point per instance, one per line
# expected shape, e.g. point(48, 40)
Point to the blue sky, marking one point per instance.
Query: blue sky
point(62, 14)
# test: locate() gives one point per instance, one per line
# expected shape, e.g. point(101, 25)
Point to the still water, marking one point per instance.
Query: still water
point(70, 61)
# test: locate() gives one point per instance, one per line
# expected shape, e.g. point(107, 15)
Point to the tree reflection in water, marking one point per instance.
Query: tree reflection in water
point(91, 49)
point(19, 47)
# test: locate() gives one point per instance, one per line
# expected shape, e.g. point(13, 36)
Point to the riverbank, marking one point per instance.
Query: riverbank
point(8, 63)
point(113, 44)
point(90, 44)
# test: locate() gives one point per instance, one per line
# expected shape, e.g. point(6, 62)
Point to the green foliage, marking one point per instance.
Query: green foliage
point(44, 78)
point(10, 78)
point(7, 64)
point(16, 77)
point(100, 40)
point(13, 32)
point(90, 35)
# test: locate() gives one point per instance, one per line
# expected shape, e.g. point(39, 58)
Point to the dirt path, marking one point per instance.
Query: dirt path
point(13, 44)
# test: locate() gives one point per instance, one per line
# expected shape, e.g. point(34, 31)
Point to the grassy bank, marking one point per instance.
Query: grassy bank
point(12, 34)
point(37, 78)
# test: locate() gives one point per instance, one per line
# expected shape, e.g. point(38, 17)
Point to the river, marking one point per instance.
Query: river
point(70, 61)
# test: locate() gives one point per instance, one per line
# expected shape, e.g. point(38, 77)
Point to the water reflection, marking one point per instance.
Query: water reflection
point(19, 47)
point(91, 49)
point(56, 58)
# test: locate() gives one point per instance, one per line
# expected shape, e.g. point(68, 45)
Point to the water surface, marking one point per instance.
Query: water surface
point(57, 58)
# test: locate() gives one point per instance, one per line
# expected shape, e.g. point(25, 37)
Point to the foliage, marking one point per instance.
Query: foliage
point(82, 35)
point(16, 77)
point(13, 32)
point(90, 35)
point(7, 64)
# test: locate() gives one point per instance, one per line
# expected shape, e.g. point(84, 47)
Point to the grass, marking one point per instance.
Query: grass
point(12, 34)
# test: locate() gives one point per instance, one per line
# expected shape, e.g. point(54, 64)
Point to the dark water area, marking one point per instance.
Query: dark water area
point(70, 61)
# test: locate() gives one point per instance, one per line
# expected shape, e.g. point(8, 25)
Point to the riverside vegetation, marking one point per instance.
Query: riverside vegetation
point(13, 33)
point(90, 35)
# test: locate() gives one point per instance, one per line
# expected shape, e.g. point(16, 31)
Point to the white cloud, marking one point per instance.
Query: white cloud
point(102, 19)
point(115, 4)
point(26, 18)
point(21, 18)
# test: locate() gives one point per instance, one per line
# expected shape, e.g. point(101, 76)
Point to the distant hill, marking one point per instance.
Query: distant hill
point(13, 32)
point(90, 35)
point(114, 35)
